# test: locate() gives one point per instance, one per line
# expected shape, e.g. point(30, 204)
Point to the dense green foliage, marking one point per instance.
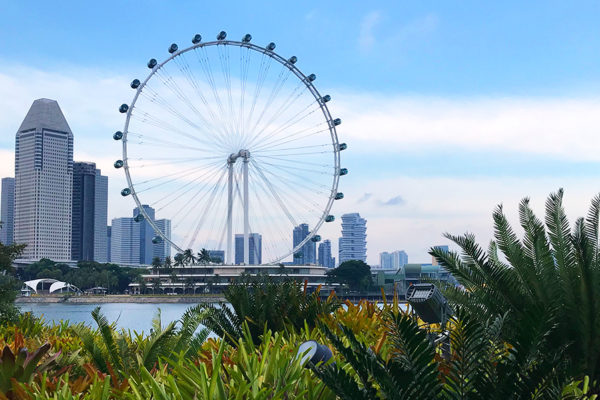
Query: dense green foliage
point(9, 286)
point(354, 273)
point(264, 303)
point(88, 274)
point(548, 279)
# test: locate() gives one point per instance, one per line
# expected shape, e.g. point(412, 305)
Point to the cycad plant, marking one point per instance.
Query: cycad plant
point(549, 277)
point(480, 366)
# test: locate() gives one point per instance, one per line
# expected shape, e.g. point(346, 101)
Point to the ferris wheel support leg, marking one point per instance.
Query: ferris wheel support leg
point(246, 221)
point(230, 259)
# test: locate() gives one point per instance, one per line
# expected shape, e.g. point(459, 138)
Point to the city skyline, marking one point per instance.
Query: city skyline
point(445, 115)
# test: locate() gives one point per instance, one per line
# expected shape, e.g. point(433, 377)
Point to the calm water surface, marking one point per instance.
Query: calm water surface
point(131, 316)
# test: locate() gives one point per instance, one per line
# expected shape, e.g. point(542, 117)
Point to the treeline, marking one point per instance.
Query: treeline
point(88, 274)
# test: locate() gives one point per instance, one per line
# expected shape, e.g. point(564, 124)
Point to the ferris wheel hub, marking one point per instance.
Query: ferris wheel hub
point(245, 154)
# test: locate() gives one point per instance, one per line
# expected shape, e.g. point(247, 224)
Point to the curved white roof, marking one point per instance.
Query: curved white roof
point(33, 284)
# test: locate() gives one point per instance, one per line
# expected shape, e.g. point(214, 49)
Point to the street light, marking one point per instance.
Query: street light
point(429, 303)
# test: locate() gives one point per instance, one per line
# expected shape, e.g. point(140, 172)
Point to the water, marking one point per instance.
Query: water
point(132, 316)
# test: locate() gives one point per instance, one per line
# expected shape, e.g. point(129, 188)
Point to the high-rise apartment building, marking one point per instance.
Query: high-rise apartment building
point(325, 258)
point(255, 244)
point(101, 218)
point(401, 258)
point(353, 243)
point(125, 241)
point(393, 260)
point(162, 248)
point(44, 183)
point(108, 243)
point(385, 260)
point(7, 211)
point(146, 235)
point(307, 253)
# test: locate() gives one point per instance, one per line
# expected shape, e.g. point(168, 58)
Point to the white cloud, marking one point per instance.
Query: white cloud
point(366, 38)
point(563, 128)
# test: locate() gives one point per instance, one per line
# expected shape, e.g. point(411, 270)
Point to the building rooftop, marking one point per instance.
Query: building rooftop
point(45, 114)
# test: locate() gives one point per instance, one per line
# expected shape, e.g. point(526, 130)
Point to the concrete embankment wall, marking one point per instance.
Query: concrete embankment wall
point(119, 299)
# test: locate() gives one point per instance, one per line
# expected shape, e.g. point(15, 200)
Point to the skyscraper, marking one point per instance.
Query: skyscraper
point(353, 243)
point(162, 248)
point(125, 241)
point(82, 216)
point(255, 244)
point(386, 260)
point(325, 258)
point(7, 210)
point(442, 248)
point(101, 218)
point(146, 235)
point(401, 258)
point(44, 182)
point(307, 253)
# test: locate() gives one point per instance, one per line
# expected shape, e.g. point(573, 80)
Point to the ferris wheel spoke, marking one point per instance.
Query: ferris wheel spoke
point(279, 149)
point(263, 71)
point(224, 58)
point(292, 172)
point(274, 194)
point(294, 137)
point(181, 173)
point(294, 168)
point(284, 105)
point(192, 80)
point(146, 118)
point(209, 203)
point(177, 177)
point(175, 195)
point(244, 67)
point(148, 139)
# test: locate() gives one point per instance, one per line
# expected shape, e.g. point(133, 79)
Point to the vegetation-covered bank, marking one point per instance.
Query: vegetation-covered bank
point(524, 326)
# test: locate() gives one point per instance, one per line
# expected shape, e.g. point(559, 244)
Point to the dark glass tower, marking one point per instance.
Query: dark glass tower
point(82, 217)
point(307, 253)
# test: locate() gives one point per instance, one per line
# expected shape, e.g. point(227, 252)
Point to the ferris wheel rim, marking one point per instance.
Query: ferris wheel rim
point(282, 61)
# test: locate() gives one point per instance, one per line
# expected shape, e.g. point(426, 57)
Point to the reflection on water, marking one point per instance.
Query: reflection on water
point(132, 316)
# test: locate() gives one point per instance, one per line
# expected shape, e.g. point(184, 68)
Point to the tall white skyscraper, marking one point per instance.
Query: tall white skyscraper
point(7, 210)
point(125, 241)
point(353, 243)
point(44, 182)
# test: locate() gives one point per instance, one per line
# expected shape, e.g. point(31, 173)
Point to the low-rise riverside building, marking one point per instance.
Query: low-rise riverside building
point(410, 274)
point(214, 278)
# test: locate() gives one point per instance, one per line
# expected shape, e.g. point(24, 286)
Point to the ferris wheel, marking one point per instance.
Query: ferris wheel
point(235, 146)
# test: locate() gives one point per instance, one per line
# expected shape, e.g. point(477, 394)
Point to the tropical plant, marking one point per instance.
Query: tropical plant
point(263, 302)
point(551, 275)
point(204, 257)
point(179, 260)
point(479, 366)
point(189, 257)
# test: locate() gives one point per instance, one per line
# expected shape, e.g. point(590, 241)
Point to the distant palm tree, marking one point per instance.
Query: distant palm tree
point(204, 257)
point(168, 262)
point(179, 260)
point(189, 257)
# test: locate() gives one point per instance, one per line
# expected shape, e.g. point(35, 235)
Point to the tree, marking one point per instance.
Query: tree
point(168, 264)
point(354, 273)
point(179, 260)
point(156, 263)
point(188, 257)
point(8, 284)
point(204, 257)
point(551, 277)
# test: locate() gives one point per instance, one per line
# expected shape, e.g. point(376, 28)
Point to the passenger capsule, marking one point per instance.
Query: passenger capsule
point(135, 83)
point(152, 63)
point(125, 192)
point(339, 196)
point(311, 77)
point(173, 48)
point(138, 218)
point(342, 146)
point(118, 164)
point(197, 39)
point(222, 35)
point(326, 98)
point(271, 46)
point(292, 59)
point(247, 38)
point(156, 239)
point(337, 121)
point(118, 135)
point(343, 171)
point(123, 109)
point(316, 238)
point(329, 218)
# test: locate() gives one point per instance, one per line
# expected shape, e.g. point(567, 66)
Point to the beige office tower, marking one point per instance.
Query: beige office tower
point(44, 183)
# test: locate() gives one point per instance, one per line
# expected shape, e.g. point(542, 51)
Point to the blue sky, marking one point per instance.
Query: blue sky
point(453, 107)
